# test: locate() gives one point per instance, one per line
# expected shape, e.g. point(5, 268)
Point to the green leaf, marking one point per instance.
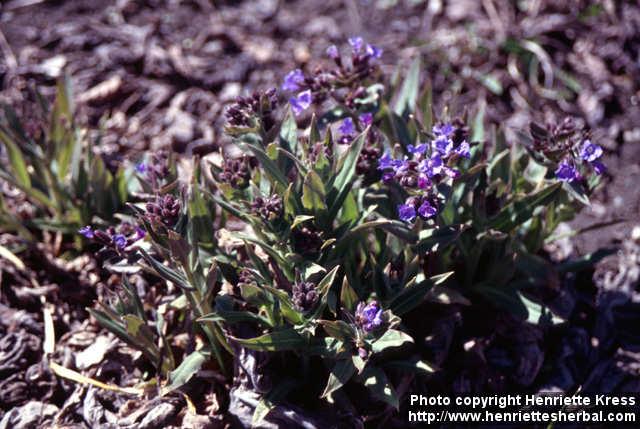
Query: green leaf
point(234, 317)
point(200, 218)
point(186, 370)
point(339, 329)
point(288, 136)
point(166, 273)
point(539, 314)
point(340, 374)
point(585, 262)
point(505, 297)
point(348, 296)
point(378, 384)
point(346, 168)
point(408, 96)
point(414, 365)
point(267, 163)
point(268, 402)
point(522, 210)
point(16, 160)
point(412, 296)
point(287, 339)
point(437, 239)
point(299, 220)
point(390, 339)
point(477, 133)
point(313, 193)
point(426, 105)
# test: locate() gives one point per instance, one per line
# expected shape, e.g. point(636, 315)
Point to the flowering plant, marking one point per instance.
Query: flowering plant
point(341, 218)
point(51, 162)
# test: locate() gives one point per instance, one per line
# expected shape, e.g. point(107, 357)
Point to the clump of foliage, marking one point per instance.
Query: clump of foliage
point(50, 159)
point(347, 211)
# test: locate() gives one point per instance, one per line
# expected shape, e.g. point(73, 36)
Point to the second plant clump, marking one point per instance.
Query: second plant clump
point(318, 242)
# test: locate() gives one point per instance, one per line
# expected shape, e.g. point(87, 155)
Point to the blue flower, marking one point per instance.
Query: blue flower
point(443, 145)
point(373, 51)
point(356, 44)
point(423, 181)
point(366, 119)
point(426, 210)
point(598, 167)
point(141, 167)
point(369, 316)
point(120, 241)
point(431, 166)
point(347, 127)
point(293, 80)
point(332, 52)
point(140, 233)
point(421, 148)
point(442, 130)
point(388, 176)
point(567, 172)
point(86, 231)
point(406, 212)
point(400, 165)
point(590, 152)
point(385, 161)
point(301, 102)
point(463, 150)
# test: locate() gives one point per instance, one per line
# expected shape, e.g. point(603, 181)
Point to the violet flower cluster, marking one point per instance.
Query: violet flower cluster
point(589, 154)
point(114, 240)
point(369, 317)
point(428, 165)
point(316, 87)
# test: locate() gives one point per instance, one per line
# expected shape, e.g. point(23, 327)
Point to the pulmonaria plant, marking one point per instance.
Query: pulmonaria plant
point(309, 244)
point(420, 173)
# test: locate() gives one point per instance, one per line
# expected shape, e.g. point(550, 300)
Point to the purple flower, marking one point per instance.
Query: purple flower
point(373, 51)
point(431, 166)
point(120, 241)
point(293, 80)
point(598, 167)
point(356, 44)
point(141, 167)
point(567, 172)
point(140, 233)
point(400, 165)
point(443, 145)
point(301, 102)
point(442, 130)
point(589, 151)
point(421, 148)
point(366, 119)
point(369, 316)
point(86, 231)
point(332, 52)
point(347, 127)
point(388, 176)
point(426, 210)
point(406, 212)
point(423, 181)
point(463, 150)
point(385, 161)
